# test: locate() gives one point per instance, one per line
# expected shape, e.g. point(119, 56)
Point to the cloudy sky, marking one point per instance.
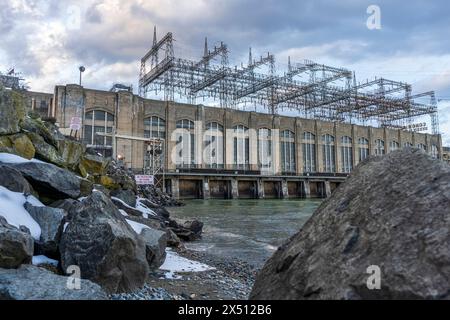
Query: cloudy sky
point(47, 40)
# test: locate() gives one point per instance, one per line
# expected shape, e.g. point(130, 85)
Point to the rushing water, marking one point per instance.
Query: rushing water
point(250, 230)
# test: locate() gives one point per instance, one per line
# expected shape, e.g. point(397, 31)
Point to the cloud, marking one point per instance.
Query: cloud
point(48, 39)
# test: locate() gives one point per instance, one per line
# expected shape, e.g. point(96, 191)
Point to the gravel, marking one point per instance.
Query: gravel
point(232, 280)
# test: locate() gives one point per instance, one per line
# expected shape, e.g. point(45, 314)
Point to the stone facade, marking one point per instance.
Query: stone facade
point(129, 112)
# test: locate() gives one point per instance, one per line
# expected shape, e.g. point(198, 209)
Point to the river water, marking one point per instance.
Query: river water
point(250, 230)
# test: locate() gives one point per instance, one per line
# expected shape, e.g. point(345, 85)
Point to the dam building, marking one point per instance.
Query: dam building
point(265, 133)
point(211, 152)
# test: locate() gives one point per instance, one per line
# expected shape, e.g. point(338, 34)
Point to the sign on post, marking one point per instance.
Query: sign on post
point(75, 123)
point(144, 179)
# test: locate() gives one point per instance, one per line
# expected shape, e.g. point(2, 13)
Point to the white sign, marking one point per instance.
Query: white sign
point(144, 179)
point(75, 123)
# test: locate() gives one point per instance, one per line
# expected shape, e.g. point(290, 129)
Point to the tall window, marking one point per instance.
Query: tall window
point(422, 146)
point(434, 151)
point(264, 148)
point(379, 147)
point(407, 144)
point(328, 155)
point(154, 127)
point(98, 121)
point(241, 148)
point(393, 145)
point(363, 145)
point(309, 152)
point(185, 144)
point(346, 154)
point(287, 151)
point(213, 152)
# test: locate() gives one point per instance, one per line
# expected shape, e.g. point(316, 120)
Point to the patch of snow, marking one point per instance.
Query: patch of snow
point(34, 201)
point(171, 276)
point(13, 159)
point(38, 260)
point(122, 212)
point(81, 199)
point(176, 263)
point(139, 206)
point(11, 208)
point(121, 201)
point(137, 227)
point(65, 226)
point(146, 211)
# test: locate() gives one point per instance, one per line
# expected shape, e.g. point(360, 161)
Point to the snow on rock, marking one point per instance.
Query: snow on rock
point(122, 212)
point(176, 263)
point(137, 227)
point(11, 208)
point(12, 158)
point(144, 209)
point(139, 206)
point(38, 260)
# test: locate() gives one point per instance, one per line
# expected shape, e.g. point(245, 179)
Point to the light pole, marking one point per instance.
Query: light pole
point(82, 69)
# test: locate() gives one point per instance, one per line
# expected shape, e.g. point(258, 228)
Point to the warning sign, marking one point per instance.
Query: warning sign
point(144, 179)
point(75, 123)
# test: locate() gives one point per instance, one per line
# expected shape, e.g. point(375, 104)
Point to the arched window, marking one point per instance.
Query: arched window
point(309, 152)
point(328, 155)
point(434, 151)
point(241, 147)
point(379, 147)
point(98, 121)
point(154, 127)
point(264, 148)
point(422, 147)
point(346, 154)
point(363, 146)
point(394, 145)
point(287, 145)
point(213, 151)
point(185, 144)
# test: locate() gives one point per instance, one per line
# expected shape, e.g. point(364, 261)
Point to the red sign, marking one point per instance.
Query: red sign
point(144, 179)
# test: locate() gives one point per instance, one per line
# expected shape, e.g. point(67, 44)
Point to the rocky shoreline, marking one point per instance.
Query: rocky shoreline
point(231, 280)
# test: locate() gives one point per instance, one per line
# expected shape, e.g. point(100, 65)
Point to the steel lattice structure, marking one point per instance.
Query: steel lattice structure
point(311, 90)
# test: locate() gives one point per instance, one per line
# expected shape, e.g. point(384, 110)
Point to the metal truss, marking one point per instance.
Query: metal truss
point(308, 89)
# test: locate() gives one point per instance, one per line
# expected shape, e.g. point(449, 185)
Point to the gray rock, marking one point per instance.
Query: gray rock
point(127, 196)
point(104, 246)
point(12, 111)
point(16, 246)
point(13, 180)
point(49, 180)
point(51, 221)
point(155, 245)
point(68, 205)
point(34, 283)
point(392, 212)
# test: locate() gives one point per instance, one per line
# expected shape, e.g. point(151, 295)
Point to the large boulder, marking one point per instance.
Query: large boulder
point(108, 251)
point(12, 111)
point(21, 145)
point(16, 245)
point(49, 180)
point(93, 164)
point(155, 246)
point(51, 220)
point(34, 283)
point(393, 214)
point(46, 151)
point(71, 153)
point(13, 180)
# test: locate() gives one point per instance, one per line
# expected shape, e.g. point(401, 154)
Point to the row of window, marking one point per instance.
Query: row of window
point(154, 127)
